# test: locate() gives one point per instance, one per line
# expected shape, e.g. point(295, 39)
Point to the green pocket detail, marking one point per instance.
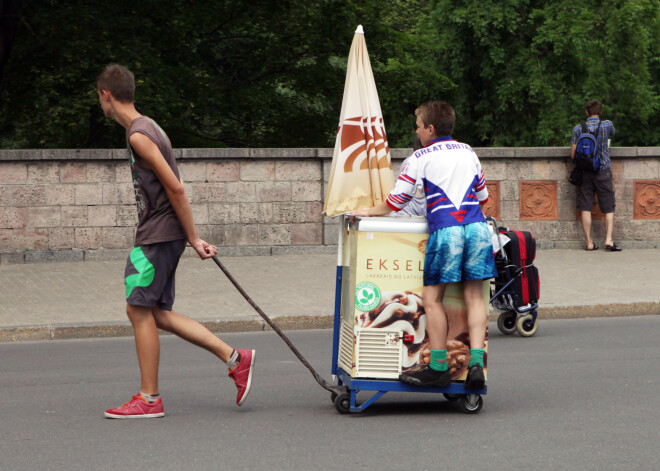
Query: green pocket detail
point(145, 271)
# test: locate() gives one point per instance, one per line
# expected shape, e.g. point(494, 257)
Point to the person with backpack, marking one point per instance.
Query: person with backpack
point(590, 151)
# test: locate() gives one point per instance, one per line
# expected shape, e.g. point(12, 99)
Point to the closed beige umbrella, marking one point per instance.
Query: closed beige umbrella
point(361, 174)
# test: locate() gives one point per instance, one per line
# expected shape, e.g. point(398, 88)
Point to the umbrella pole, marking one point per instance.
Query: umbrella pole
point(338, 285)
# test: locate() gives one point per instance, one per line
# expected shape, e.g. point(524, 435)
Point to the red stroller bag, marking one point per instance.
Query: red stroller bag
point(521, 252)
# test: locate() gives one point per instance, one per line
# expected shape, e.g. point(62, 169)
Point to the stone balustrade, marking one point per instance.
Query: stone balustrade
point(71, 205)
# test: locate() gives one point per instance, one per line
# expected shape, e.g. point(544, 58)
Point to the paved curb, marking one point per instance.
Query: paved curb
point(600, 310)
point(124, 329)
point(294, 322)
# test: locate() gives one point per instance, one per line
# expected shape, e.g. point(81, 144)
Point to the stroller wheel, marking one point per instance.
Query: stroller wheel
point(526, 326)
point(507, 322)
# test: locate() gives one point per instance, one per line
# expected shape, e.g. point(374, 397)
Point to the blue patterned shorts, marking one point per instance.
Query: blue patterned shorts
point(459, 253)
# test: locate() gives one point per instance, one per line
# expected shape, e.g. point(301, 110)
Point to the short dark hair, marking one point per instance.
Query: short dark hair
point(119, 81)
point(594, 107)
point(438, 113)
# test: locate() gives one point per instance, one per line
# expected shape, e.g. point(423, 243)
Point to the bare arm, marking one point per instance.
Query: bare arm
point(573, 151)
point(151, 158)
point(379, 210)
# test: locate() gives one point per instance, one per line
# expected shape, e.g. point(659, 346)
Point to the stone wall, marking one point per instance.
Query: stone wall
point(78, 204)
point(530, 191)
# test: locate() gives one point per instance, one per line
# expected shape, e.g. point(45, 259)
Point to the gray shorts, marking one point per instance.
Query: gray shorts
point(149, 274)
point(596, 183)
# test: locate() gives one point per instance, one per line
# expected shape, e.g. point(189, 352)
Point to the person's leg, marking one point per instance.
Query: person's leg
point(477, 324)
point(442, 265)
point(436, 319)
point(139, 276)
point(240, 362)
point(609, 227)
point(585, 202)
point(479, 265)
point(476, 312)
point(606, 201)
point(147, 345)
point(192, 331)
point(437, 372)
point(586, 226)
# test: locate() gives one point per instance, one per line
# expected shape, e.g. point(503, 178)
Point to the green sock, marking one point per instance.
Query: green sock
point(476, 357)
point(438, 360)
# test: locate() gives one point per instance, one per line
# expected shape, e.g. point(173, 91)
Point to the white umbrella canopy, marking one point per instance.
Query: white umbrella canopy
point(361, 175)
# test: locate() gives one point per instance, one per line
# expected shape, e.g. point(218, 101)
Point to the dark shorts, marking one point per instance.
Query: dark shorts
point(596, 183)
point(149, 274)
point(459, 253)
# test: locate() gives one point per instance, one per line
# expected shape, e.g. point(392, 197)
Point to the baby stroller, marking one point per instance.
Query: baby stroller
point(516, 290)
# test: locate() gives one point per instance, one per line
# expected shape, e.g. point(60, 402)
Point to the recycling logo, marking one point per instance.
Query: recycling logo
point(367, 296)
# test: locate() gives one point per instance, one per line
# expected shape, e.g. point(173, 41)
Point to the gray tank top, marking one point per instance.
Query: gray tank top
point(158, 221)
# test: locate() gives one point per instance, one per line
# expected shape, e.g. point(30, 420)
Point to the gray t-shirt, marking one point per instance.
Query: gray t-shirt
point(158, 221)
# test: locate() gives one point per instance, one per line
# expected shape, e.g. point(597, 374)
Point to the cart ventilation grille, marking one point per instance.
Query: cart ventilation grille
point(370, 353)
point(346, 350)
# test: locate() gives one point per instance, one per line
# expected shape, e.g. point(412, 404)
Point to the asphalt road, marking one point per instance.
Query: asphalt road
point(582, 394)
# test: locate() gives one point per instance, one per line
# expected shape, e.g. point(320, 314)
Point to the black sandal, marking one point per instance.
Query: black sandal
point(613, 248)
point(591, 250)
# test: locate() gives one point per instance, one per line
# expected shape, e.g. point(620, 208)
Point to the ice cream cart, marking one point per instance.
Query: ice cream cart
point(380, 323)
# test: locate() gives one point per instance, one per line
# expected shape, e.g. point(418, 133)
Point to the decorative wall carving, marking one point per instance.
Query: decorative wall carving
point(492, 207)
point(646, 199)
point(538, 200)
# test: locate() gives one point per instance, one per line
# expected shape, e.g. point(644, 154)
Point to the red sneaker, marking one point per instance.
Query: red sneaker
point(138, 408)
point(242, 374)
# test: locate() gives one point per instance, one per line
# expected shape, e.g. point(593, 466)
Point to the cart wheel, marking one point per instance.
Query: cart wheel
point(343, 403)
point(471, 404)
point(526, 326)
point(451, 397)
point(507, 322)
point(333, 396)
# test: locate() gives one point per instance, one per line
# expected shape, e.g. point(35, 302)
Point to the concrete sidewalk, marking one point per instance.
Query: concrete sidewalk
point(86, 299)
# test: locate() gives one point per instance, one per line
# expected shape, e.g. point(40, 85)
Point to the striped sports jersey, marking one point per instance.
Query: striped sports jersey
point(454, 183)
point(417, 205)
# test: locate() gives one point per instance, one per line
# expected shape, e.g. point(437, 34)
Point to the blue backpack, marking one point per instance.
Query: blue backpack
point(586, 150)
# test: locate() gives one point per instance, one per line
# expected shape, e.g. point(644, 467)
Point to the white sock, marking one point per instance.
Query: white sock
point(149, 398)
point(233, 360)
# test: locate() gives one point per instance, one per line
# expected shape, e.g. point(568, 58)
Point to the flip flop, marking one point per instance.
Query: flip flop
point(613, 248)
point(591, 250)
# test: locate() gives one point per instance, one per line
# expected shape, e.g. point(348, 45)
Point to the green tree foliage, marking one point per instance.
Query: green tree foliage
point(213, 73)
point(271, 73)
point(10, 15)
point(525, 69)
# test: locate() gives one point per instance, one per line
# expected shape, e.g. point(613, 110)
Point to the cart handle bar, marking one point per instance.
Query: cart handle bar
point(323, 383)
